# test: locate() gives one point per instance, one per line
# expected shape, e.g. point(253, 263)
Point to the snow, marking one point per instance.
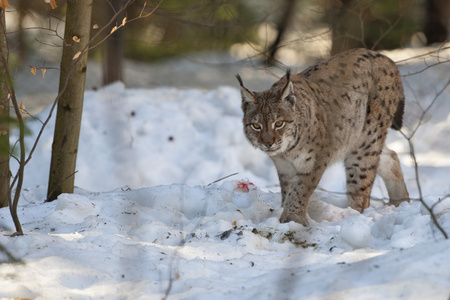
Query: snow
point(150, 217)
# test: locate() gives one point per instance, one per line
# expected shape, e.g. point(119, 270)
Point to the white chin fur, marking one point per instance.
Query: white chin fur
point(271, 151)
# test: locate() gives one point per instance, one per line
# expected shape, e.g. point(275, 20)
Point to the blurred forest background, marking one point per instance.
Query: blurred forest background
point(268, 32)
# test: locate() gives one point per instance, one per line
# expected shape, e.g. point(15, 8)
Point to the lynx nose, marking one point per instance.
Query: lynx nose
point(267, 139)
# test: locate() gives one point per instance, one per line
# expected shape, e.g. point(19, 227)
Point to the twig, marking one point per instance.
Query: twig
point(425, 111)
point(371, 197)
point(440, 49)
point(220, 179)
point(414, 159)
point(58, 185)
point(416, 170)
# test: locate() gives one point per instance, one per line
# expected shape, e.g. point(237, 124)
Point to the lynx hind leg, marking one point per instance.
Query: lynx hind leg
point(360, 173)
point(390, 171)
point(361, 163)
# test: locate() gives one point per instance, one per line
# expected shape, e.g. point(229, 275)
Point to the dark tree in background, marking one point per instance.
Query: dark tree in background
point(373, 24)
point(180, 27)
point(282, 26)
point(437, 21)
point(340, 20)
point(112, 60)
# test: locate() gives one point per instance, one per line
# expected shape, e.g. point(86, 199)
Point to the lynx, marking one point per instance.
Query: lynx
point(338, 109)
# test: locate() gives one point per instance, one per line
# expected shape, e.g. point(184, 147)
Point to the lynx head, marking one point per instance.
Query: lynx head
point(269, 116)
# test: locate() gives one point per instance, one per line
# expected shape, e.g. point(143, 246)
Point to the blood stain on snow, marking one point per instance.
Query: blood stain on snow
point(244, 186)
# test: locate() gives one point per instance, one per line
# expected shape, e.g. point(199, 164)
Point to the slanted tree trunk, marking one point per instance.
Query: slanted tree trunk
point(285, 21)
point(70, 105)
point(437, 20)
point(4, 116)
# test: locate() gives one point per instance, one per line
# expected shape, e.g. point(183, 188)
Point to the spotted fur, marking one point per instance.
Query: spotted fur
point(338, 109)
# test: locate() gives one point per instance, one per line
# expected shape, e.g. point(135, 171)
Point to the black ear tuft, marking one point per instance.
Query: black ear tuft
point(288, 75)
point(247, 96)
point(288, 78)
point(288, 90)
point(239, 79)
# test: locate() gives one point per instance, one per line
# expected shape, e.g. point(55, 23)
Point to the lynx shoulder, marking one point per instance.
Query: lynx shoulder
point(338, 109)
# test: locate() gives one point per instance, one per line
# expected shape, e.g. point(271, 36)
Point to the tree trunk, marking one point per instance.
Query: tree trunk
point(285, 21)
point(343, 24)
point(70, 105)
point(21, 44)
point(113, 60)
point(436, 22)
point(5, 173)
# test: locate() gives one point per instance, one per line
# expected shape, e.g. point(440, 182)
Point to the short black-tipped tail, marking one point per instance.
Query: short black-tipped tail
point(397, 123)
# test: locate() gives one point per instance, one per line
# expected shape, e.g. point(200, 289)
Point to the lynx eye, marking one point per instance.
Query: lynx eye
point(256, 126)
point(279, 124)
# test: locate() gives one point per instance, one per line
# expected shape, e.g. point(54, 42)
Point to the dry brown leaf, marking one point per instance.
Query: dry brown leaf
point(234, 223)
point(33, 70)
point(4, 4)
point(53, 4)
point(113, 29)
point(76, 39)
point(43, 72)
point(124, 21)
point(76, 55)
point(22, 108)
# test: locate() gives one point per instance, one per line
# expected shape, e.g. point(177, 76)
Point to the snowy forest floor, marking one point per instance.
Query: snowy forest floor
point(147, 222)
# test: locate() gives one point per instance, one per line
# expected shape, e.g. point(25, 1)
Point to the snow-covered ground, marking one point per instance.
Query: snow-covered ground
point(147, 220)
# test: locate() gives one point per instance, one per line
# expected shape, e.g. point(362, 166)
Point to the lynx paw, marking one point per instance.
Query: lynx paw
point(286, 218)
point(398, 202)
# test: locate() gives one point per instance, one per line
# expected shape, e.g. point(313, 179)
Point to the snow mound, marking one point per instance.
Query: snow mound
point(159, 136)
point(223, 240)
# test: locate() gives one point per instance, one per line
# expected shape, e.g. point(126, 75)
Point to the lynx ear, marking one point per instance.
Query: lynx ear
point(247, 96)
point(288, 90)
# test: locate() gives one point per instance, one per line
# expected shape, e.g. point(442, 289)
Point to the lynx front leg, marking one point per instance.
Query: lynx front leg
point(284, 184)
point(298, 191)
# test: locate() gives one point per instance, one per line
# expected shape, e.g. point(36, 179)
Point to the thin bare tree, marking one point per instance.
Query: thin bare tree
point(70, 105)
point(4, 116)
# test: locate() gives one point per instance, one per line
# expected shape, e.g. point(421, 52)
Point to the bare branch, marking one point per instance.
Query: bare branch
point(425, 111)
point(23, 160)
point(440, 49)
point(414, 159)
